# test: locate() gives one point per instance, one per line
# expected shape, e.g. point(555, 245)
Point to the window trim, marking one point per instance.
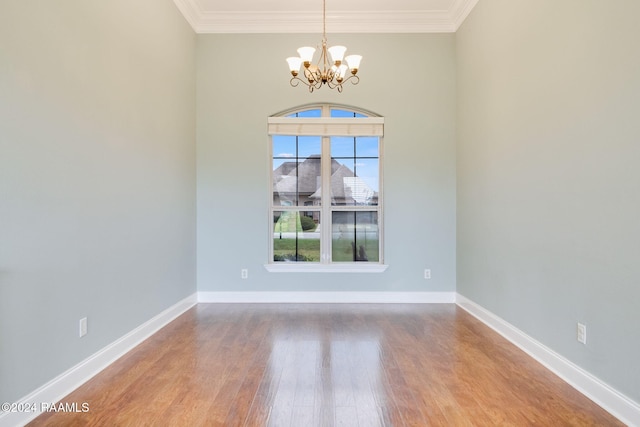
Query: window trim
point(327, 127)
point(315, 267)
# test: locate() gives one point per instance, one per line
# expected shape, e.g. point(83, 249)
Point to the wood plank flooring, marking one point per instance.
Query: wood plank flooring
point(299, 365)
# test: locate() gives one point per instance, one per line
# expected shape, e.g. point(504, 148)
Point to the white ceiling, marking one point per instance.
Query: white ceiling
point(343, 16)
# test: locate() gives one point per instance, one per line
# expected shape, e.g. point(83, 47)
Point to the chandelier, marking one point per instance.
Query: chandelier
point(333, 76)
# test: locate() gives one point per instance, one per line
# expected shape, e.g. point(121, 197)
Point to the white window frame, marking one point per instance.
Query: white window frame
point(327, 127)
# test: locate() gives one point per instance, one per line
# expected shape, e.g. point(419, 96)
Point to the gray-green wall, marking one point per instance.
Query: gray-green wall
point(99, 119)
point(408, 79)
point(97, 177)
point(548, 177)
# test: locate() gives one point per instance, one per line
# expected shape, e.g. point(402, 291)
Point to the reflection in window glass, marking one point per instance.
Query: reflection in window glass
point(296, 170)
point(355, 236)
point(355, 178)
point(296, 236)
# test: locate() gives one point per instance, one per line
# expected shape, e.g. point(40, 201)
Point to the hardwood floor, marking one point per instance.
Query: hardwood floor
point(297, 365)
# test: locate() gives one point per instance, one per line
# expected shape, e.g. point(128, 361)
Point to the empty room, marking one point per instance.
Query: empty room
point(321, 213)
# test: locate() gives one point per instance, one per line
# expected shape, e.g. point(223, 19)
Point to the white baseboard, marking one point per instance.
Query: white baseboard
point(614, 402)
point(327, 297)
point(68, 381)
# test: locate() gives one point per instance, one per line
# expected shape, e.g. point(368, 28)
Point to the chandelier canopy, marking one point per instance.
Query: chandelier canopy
point(316, 75)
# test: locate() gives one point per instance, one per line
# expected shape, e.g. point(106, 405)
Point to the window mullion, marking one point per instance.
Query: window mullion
point(325, 245)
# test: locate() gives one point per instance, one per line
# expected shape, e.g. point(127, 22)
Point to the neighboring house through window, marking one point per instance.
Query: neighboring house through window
point(326, 190)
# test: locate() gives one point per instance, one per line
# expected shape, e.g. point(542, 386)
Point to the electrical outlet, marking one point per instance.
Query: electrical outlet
point(582, 333)
point(427, 274)
point(244, 273)
point(83, 327)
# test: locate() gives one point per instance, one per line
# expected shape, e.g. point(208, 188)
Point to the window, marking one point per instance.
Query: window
point(326, 190)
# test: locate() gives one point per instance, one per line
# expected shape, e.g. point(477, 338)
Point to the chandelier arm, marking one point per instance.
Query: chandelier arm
point(334, 84)
point(312, 85)
point(312, 76)
point(333, 75)
point(354, 79)
point(323, 56)
point(295, 81)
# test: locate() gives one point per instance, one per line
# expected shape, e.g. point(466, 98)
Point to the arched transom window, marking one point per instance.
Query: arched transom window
point(326, 190)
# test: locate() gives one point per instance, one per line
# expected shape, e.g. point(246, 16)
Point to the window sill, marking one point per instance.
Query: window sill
point(294, 267)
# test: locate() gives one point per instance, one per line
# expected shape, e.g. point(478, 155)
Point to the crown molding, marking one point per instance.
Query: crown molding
point(345, 22)
point(461, 9)
point(191, 12)
point(379, 21)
